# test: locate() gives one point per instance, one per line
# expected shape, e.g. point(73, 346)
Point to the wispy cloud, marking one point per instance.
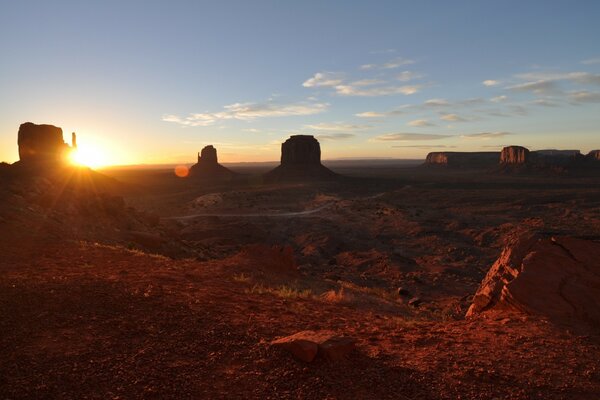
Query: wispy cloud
point(420, 122)
point(336, 127)
point(323, 79)
point(423, 146)
point(591, 61)
point(485, 135)
point(499, 99)
point(248, 111)
point(393, 64)
point(410, 137)
point(545, 103)
point(336, 136)
point(491, 82)
point(584, 78)
point(584, 96)
point(371, 114)
point(406, 76)
point(436, 103)
point(453, 118)
point(537, 87)
point(351, 90)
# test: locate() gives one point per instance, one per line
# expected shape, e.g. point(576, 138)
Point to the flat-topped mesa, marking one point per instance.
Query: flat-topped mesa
point(208, 168)
point(301, 150)
point(300, 160)
point(41, 144)
point(482, 159)
point(514, 155)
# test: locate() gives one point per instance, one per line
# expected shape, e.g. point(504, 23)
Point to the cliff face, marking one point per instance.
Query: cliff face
point(301, 150)
point(514, 155)
point(594, 155)
point(208, 168)
point(557, 278)
point(41, 144)
point(482, 159)
point(300, 160)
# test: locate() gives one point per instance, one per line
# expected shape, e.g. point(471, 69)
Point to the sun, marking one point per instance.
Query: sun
point(89, 157)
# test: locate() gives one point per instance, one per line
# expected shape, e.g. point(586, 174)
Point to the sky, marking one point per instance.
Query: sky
point(152, 82)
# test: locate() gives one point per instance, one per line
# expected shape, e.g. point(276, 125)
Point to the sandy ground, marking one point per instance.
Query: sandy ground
point(94, 316)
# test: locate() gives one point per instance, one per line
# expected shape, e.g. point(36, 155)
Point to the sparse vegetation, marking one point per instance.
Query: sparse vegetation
point(282, 291)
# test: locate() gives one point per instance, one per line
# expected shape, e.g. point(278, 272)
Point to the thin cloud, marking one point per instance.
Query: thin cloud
point(420, 122)
point(537, 87)
point(336, 136)
point(498, 99)
point(419, 146)
point(584, 78)
point(393, 64)
point(406, 76)
point(491, 82)
point(485, 135)
point(584, 96)
point(336, 127)
point(247, 112)
point(591, 61)
point(350, 90)
point(545, 103)
point(370, 114)
point(436, 103)
point(453, 118)
point(410, 136)
point(322, 79)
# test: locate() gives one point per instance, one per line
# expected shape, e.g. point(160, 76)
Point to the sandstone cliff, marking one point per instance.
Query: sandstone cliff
point(208, 167)
point(483, 159)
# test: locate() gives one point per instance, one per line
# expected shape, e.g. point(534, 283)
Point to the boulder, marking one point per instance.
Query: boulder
point(41, 143)
point(208, 167)
point(307, 345)
point(300, 160)
point(514, 155)
point(556, 278)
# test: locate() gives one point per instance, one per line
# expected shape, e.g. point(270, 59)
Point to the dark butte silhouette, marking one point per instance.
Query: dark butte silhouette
point(42, 144)
point(300, 161)
point(208, 168)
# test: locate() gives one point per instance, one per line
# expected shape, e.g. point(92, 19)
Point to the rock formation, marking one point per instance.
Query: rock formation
point(307, 345)
point(300, 160)
point(41, 144)
point(514, 155)
point(593, 155)
point(483, 159)
point(208, 167)
point(556, 278)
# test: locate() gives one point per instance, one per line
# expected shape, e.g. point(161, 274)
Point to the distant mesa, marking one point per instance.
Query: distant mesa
point(43, 145)
point(518, 159)
point(514, 155)
point(300, 161)
point(555, 278)
point(457, 159)
point(208, 167)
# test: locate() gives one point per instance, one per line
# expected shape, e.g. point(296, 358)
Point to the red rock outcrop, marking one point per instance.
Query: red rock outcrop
point(557, 278)
point(307, 345)
point(481, 159)
point(208, 167)
point(41, 144)
point(514, 155)
point(300, 160)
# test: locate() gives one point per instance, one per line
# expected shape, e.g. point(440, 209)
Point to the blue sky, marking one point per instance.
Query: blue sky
point(153, 82)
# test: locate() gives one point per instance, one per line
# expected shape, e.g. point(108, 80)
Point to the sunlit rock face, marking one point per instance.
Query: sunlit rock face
point(514, 155)
point(556, 278)
point(208, 168)
point(300, 161)
point(41, 143)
